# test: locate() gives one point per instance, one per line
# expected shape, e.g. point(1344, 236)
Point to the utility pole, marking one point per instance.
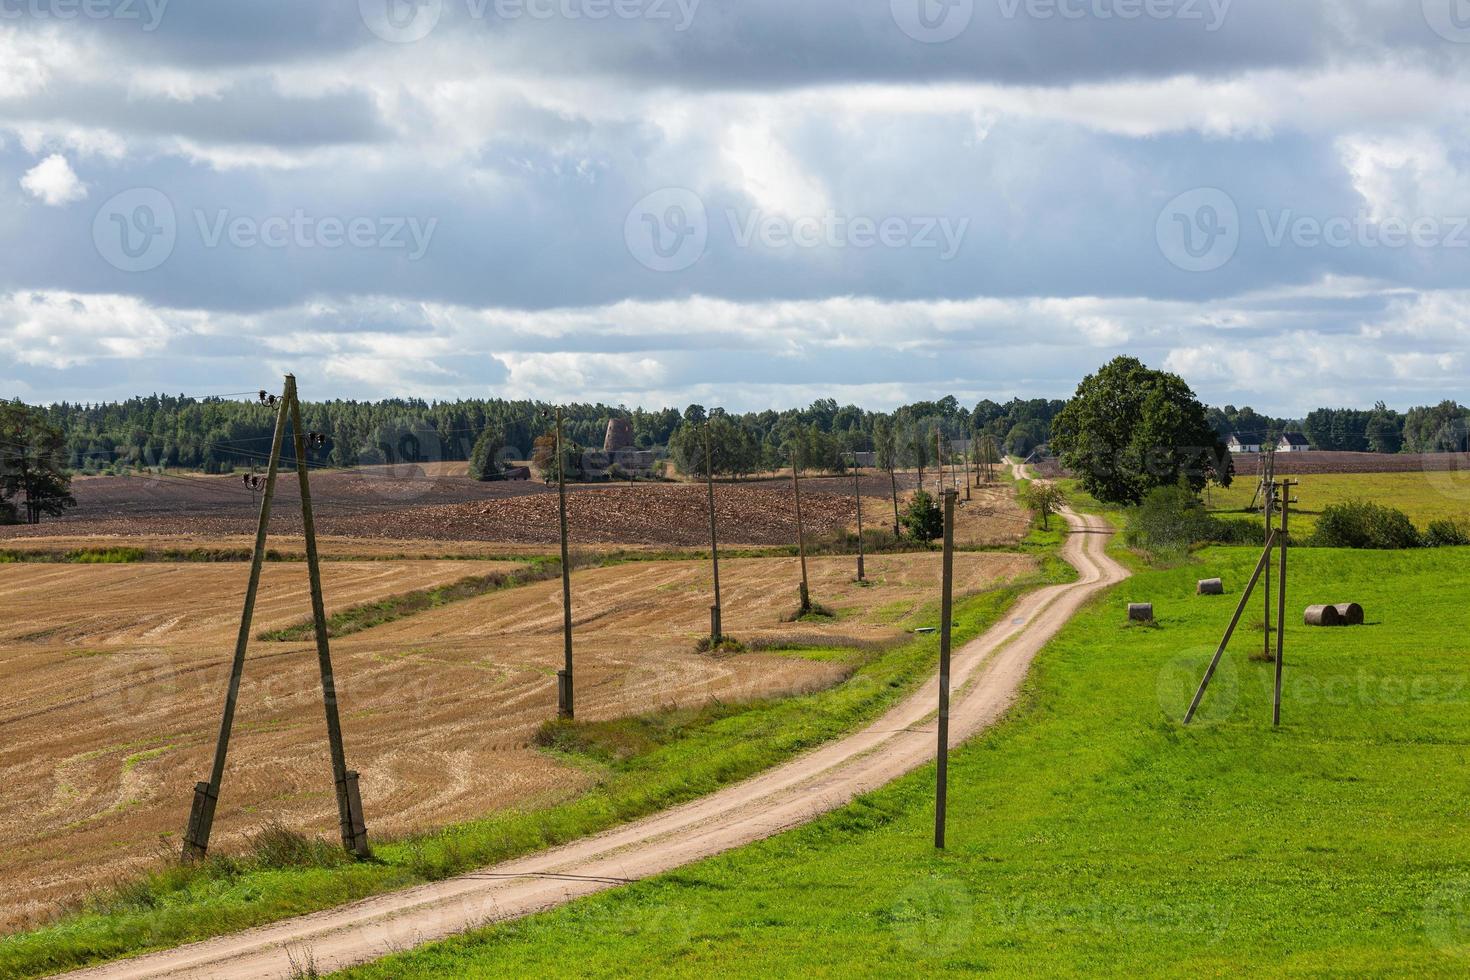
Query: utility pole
point(806, 595)
point(857, 495)
point(946, 614)
point(1268, 488)
point(939, 462)
point(206, 794)
point(716, 630)
point(564, 697)
point(1286, 502)
point(969, 447)
point(893, 482)
point(349, 799)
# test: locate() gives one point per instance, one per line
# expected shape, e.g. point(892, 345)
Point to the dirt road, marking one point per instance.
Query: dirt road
point(987, 673)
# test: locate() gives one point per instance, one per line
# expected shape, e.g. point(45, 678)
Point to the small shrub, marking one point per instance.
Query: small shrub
point(1447, 533)
point(1360, 524)
point(922, 520)
point(1171, 520)
point(727, 644)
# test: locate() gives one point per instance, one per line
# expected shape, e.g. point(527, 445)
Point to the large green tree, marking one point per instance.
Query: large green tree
point(1130, 429)
point(34, 481)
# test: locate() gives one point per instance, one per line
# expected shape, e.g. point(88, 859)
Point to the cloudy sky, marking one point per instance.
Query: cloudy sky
point(743, 202)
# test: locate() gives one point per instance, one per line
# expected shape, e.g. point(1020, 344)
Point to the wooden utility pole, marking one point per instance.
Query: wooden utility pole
point(939, 459)
point(946, 615)
point(206, 794)
point(969, 444)
point(1286, 502)
point(716, 629)
point(1250, 588)
point(1268, 488)
point(857, 495)
point(564, 699)
point(806, 595)
point(893, 482)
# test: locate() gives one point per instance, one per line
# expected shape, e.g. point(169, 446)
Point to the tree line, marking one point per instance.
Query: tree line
point(1425, 429)
point(218, 435)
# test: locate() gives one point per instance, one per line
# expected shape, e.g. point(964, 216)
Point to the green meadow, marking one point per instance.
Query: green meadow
point(1092, 833)
point(1423, 496)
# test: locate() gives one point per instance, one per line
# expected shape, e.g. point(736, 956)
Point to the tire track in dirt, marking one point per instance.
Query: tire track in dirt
point(987, 674)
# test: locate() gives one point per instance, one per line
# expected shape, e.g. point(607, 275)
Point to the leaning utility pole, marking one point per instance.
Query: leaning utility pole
point(206, 794)
point(946, 614)
point(716, 630)
point(806, 595)
point(857, 495)
point(564, 676)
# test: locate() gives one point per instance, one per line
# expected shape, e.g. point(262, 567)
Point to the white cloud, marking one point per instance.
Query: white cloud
point(53, 182)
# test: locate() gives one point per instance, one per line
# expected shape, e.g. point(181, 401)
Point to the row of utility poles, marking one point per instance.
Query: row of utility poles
point(345, 781)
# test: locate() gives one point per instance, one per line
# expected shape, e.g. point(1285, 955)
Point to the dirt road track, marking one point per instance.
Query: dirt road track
point(987, 673)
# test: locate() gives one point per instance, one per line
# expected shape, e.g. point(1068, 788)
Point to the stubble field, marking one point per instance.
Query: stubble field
point(116, 673)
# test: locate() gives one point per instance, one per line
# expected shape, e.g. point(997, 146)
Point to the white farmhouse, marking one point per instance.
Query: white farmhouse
point(1249, 444)
point(1293, 442)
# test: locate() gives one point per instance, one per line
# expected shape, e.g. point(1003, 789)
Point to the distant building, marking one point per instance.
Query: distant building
point(1247, 445)
point(1294, 442)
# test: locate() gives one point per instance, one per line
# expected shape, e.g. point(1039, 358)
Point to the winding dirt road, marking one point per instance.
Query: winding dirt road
point(987, 673)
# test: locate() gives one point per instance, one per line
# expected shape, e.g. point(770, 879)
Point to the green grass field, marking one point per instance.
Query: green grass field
point(1092, 833)
point(1423, 496)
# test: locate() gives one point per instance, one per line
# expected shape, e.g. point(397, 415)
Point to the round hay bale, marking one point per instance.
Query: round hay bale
point(1350, 613)
point(1210, 586)
point(1141, 612)
point(1323, 616)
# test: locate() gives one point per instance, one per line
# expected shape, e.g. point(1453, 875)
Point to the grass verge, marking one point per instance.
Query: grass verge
point(355, 619)
point(1091, 834)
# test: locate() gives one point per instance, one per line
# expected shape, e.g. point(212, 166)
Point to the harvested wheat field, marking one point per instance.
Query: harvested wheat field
point(109, 714)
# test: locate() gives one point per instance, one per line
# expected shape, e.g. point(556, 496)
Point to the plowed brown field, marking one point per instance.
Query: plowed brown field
point(115, 674)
